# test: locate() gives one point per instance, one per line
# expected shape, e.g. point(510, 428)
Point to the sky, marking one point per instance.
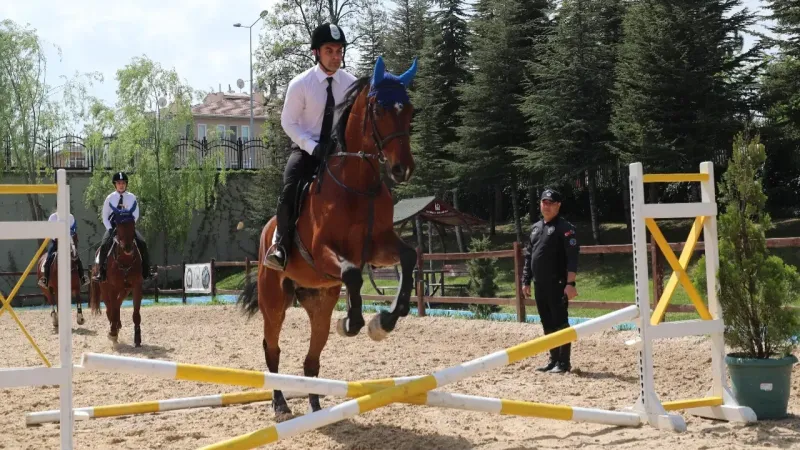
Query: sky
point(195, 37)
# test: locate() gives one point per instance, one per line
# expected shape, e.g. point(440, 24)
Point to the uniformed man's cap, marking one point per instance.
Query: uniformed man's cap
point(552, 195)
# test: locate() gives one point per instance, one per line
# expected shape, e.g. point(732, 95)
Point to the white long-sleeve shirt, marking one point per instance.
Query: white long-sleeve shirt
point(128, 200)
point(304, 105)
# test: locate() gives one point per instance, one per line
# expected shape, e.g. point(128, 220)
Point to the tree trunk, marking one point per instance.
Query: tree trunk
point(515, 207)
point(592, 182)
point(418, 226)
point(532, 202)
point(459, 234)
point(492, 215)
point(498, 203)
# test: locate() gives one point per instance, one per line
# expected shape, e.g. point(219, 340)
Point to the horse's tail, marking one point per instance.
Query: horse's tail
point(94, 297)
point(248, 299)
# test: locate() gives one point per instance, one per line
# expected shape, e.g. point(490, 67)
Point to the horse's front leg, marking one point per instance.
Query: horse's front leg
point(353, 280)
point(80, 310)
point(137, 317)
point(389, 249)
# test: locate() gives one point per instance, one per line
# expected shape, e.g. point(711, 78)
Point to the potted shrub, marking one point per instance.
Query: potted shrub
point(754, 289)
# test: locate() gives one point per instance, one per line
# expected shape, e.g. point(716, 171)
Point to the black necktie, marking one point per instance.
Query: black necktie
point(327, 120)
point(119, 205)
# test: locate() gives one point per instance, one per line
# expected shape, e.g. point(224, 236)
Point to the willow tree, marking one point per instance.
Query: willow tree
point(153, 112)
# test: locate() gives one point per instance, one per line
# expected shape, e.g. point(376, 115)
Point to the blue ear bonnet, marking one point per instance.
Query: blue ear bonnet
point(122, 215)
point(389, 89)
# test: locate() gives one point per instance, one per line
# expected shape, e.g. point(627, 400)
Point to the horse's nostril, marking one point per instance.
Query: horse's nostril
point(398, 171)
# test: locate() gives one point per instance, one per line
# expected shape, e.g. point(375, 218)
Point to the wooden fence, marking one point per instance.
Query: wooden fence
point(518, 302)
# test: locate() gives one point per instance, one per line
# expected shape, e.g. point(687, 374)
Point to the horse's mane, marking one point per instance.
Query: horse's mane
point(346, 106)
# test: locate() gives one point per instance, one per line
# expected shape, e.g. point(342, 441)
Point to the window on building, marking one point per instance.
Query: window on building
point(201, 131)
point(221, 132)
point(245, 132)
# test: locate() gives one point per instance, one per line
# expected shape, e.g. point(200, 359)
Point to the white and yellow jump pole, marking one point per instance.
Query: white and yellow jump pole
point(425, 384)
point(719, 403)
point(253, 378)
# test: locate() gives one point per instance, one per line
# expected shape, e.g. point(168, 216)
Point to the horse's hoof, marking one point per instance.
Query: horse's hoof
point(355, 328)
point(81, 320)
point(137, 336)
point(314, 405)
point(113, 337)
point(375, 330)
point(281, 409)
point(54, 316)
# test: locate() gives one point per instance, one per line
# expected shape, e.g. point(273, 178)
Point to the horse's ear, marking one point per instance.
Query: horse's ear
point(380, 69)
point(409, 74)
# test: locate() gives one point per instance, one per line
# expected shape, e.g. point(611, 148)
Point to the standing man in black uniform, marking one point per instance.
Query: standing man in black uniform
point(551, 262)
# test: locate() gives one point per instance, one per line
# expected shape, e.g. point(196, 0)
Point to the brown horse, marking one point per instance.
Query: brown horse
point(343, 225)
point(51, 292)
point(123, 276)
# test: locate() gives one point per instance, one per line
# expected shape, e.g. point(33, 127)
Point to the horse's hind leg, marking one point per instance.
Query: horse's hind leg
point(319, 305)
point(352, 278)
point(80, 310)
point(273, 301)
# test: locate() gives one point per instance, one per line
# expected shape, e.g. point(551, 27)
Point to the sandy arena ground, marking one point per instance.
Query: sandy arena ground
point(605, 376)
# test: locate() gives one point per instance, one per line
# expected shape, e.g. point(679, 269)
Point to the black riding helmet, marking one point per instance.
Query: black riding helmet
point(328, 33)
point(119, 176)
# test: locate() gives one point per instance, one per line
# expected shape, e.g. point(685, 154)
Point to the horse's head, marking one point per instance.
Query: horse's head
point(125, 224)
point(387, 110)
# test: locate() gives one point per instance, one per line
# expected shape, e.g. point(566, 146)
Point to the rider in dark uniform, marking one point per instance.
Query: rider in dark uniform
point(551, 262)
point(120, 198)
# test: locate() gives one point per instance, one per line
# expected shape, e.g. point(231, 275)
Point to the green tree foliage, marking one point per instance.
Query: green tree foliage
point(483, 277)
point(680, 81)
point(152, 113)
point(32, 110)
point(754, 286)
point(408, 23)
point(568, 100)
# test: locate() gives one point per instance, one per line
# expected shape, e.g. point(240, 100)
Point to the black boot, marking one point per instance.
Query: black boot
point(82, 273)
point(101, 271)
point(563, 364)
point(550, 364)
point(146, 273)
point(277, 256)
point(48, 262)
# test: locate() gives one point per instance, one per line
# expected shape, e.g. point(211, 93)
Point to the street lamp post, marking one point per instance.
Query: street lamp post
point(239, 25)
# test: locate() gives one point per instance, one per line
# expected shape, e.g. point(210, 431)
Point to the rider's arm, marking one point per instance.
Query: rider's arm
point(293, 107)
point(107, 213)
point(135, 211)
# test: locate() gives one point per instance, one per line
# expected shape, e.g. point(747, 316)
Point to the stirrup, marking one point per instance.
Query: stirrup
point(273, 261)
point(43, 282)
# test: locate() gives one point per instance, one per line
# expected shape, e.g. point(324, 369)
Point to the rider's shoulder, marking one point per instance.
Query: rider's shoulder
point(302, 76)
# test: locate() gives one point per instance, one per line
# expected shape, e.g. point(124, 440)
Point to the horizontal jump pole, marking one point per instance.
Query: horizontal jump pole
point(425, 384)
point(435, 399)
point(128, 409)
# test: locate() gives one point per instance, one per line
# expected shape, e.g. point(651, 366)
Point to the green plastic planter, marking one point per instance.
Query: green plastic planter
point(762, 384)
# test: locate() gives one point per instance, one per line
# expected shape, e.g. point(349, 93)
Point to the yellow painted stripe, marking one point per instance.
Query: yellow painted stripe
point(246, 397)
point(541, 344)
point(236, 377)
point(692, 403)
point(126, 409)
point(7, 301)
point(674, 177)
point(529, 409)
point(672, 284)
point(360, 388)
point(247, 441)
point(694, 296)
point(396, 394)
point(29, 189)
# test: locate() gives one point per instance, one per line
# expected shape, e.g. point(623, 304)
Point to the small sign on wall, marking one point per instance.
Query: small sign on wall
point(197, 278)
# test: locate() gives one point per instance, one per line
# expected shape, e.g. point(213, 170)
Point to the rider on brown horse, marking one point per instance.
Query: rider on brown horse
point(307, 118)
point(53, 248)
point(124, 200)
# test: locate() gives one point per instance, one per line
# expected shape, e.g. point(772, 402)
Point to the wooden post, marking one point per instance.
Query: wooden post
point(213, 279)
point(420, 285)
point(156, 284)
point(518, 262)
point(183, 279)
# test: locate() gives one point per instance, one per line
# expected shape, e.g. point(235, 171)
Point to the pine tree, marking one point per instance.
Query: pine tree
point(569, 96)
point(442, 67)
point(372, 37)
point(679, 81)
point(504, 36)
point(406, 36)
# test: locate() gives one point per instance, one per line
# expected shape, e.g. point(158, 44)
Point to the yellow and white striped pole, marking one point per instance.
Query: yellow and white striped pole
point(422, 385)
point(127, 409)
